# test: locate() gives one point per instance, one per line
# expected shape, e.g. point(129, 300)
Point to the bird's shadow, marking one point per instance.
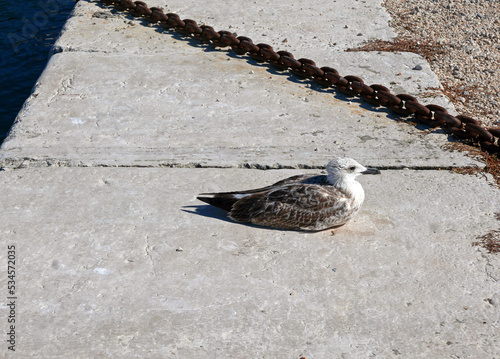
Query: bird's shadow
point(207, 211)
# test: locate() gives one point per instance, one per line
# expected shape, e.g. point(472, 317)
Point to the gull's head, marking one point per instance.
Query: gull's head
point(346, 170)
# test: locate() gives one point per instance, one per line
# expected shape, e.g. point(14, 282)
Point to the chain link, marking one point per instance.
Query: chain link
point(461, 126)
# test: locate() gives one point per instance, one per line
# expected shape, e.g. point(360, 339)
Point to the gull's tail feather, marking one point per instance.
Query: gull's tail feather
point(223, 201)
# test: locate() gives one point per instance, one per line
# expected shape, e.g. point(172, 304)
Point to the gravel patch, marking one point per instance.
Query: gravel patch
point(465, 36)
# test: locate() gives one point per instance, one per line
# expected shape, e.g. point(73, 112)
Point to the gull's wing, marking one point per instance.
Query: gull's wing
point(226, 200)
point(294, 206)
point(293, 179)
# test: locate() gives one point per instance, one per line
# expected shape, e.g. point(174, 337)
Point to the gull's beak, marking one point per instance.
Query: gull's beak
point(371, 171)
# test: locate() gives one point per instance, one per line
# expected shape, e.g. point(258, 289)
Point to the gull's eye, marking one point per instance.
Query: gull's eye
point(352, 168)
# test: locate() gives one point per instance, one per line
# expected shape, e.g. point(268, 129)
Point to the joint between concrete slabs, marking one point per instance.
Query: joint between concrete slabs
point(14, 164)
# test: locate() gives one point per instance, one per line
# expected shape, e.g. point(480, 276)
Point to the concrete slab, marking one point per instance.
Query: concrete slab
point(334, 25)
point(101, 272)
point(205, 108)
point(98, 28)
point(125, 94)
point(294, 26)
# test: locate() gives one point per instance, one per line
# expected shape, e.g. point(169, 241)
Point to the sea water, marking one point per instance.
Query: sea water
point(28, 29)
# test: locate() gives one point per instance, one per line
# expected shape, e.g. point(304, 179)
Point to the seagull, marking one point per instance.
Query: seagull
point(302, 202)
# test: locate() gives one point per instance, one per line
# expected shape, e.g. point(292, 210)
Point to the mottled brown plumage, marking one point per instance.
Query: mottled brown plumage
point(303, 202)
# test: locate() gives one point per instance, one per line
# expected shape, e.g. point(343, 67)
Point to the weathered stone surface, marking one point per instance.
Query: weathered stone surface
point(125, 94)
point(100, 109)
point(126, 262)
point(300, 27)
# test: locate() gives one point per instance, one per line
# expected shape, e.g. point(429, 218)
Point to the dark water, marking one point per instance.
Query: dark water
point(28, 29)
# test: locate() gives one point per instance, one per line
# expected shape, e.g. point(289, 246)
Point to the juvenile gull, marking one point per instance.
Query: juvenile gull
point(303, 202)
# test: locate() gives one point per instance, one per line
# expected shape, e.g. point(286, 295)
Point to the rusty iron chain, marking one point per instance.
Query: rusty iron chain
point(461, 126)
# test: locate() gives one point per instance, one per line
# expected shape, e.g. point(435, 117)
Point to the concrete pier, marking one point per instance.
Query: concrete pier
point(128, 123)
